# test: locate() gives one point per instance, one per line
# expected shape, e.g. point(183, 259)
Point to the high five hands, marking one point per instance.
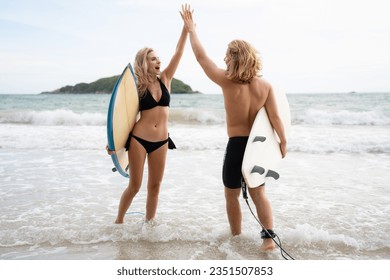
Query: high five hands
point(186, 15)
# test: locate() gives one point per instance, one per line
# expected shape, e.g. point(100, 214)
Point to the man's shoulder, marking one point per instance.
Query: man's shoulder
point(262, 81)
point(261, 84)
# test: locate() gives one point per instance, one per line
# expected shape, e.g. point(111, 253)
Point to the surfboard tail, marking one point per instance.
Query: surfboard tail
point(268, 174)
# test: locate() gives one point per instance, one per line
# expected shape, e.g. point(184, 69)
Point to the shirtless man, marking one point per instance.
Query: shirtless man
point(245, 93)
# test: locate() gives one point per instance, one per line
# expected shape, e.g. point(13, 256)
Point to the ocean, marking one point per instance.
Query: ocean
point(59, 197)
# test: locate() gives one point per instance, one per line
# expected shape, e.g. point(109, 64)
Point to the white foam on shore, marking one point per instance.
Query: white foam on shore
point(198, 116)
point(304, 139)
point(56, 204)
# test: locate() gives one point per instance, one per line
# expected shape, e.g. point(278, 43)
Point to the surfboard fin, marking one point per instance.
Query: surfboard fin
point(259, 138)
point(272, 174)
point(261, 170)
point(258, 169)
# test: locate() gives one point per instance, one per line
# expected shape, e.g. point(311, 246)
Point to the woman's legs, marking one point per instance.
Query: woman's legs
point(136, 155)
point(156, 167)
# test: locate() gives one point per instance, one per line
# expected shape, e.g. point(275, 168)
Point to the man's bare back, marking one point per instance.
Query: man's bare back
point(242, 102)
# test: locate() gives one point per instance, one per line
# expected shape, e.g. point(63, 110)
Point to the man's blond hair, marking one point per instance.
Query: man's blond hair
point(244, 62)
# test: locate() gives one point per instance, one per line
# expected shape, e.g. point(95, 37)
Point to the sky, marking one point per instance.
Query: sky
point(307, 46)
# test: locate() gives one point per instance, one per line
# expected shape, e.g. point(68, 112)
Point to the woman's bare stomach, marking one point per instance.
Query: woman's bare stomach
point(151, 131)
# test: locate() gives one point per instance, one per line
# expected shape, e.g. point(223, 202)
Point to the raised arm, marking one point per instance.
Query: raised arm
point(169, 71)
point(216, 74)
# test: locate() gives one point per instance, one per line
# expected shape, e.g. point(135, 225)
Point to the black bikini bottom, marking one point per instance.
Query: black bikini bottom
point(150, 146)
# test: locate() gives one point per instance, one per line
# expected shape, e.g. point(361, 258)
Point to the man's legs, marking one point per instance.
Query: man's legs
point(264, 213)
point(233, 210)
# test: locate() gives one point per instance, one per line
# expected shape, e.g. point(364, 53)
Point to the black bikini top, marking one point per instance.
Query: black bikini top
point(148, 102)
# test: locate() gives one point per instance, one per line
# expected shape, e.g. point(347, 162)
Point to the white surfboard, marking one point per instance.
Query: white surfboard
point(122, 114)
point(262, 152)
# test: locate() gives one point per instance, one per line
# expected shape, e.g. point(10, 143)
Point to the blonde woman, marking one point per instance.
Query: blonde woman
point(149, 138)
point(245, 93)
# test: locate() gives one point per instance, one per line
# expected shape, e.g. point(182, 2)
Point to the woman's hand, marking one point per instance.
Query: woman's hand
point(109, 152)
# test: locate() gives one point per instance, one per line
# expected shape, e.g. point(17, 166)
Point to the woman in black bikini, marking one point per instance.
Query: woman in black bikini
point(149, 138)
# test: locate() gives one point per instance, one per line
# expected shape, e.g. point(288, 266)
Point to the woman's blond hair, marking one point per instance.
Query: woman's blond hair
point(141, 70)
point(244, 63)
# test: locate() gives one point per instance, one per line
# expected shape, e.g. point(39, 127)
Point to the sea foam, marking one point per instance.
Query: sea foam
point(58, 117)
point(342, 117)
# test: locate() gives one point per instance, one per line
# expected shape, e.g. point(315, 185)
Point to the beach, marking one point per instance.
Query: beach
point(59, 197)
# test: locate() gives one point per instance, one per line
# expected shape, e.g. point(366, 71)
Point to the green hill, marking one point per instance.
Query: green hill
point(105, 85)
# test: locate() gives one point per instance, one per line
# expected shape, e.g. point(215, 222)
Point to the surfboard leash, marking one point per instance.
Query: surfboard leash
point(273, 236)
